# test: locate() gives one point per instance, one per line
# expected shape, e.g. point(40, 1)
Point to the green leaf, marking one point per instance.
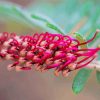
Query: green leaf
point(47, 22)
point(98, 76)
point(16, 13)
point(69, 13)
point(80, 80)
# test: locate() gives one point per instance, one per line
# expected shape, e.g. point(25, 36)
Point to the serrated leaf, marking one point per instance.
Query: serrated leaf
point(98, 76)
point(80, 80)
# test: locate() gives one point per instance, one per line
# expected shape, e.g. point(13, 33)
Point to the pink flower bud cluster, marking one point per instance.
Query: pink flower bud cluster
point(45, 51)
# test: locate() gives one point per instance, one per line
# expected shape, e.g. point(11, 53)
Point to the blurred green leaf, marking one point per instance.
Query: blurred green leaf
point(67, 13)
point(98, 76)
point(80, 80)
point(47, 22)
point(16, 13)
point(83, 75)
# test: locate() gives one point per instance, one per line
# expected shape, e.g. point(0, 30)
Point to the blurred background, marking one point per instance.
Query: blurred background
point(71, 16)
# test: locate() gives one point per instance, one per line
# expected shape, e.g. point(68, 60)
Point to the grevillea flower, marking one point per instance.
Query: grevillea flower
point(45, 51)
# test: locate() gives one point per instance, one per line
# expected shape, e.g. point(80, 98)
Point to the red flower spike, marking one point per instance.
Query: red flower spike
point(45, 51)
